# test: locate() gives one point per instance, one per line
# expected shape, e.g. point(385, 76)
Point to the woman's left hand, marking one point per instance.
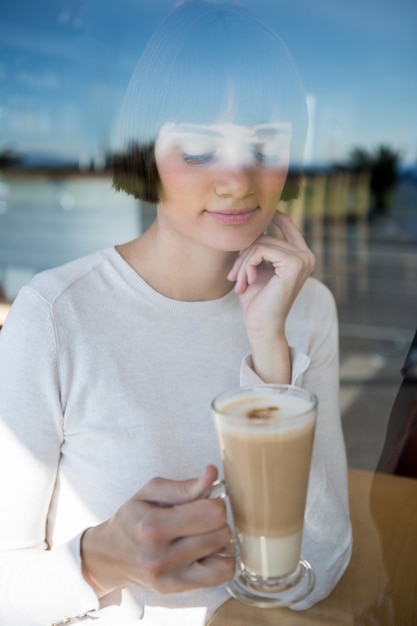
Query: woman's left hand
point(269, 275)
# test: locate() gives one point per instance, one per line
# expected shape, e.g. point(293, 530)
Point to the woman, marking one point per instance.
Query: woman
point(109, 364)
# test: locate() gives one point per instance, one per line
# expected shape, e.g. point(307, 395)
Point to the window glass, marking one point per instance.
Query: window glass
point(63, 71)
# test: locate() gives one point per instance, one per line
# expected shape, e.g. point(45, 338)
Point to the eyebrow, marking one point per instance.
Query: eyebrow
point(273, 130)
point(261, 131)
point(201, 130)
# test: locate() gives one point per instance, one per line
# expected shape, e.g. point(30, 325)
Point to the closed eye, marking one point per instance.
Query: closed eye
point(199, 159)
point(264, 158)
point(271, 151)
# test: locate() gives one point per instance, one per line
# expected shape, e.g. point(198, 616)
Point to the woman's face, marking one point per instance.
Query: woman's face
point(221, 184)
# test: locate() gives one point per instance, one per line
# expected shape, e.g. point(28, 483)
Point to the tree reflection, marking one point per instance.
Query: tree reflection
point(383, 164)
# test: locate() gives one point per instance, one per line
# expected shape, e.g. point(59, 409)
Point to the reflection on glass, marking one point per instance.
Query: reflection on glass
point(62, 82)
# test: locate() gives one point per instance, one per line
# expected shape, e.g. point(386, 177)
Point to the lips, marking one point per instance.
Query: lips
point(233, 216)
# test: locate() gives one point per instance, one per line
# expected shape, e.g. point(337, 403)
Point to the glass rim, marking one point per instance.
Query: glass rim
point(282, 389)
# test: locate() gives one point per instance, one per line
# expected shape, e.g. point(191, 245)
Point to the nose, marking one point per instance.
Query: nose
point(235, 182)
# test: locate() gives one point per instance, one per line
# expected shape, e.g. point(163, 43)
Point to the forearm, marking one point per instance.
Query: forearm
point(271, 357)
point(97, 571)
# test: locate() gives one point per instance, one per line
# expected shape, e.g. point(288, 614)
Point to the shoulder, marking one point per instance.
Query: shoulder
point(315, 287)
point(63, 287)
point(312, 322)
point(315, 298)
point(51, 284)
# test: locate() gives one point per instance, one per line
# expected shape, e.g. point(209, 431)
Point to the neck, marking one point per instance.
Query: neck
point(178, 270)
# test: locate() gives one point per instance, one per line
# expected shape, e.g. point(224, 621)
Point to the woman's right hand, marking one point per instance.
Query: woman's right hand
point(166, 537)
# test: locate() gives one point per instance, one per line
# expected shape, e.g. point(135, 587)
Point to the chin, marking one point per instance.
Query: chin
point(235, 243)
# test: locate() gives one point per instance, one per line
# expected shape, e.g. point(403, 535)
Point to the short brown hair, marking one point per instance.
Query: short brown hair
point(205, 64)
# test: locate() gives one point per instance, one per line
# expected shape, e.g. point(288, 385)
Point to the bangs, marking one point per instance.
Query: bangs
point(212, 64)
point(234, 91)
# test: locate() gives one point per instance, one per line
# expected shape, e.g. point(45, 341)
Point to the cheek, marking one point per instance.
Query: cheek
point(172, 177)
point(178, 179)
point(271, 183)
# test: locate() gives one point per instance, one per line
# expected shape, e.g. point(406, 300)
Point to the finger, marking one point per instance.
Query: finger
point(163, 526)
point(241, 281)
point(190, 563)
point(196, 518)
point(164, 492)
point(206, 572)
point(200, 487)
point(239, 272)
point(232, 275)
point(245, 254)
point(290, 231)
point(255, 257)
point(197, 547)
point(252, 262)
point(213, 570)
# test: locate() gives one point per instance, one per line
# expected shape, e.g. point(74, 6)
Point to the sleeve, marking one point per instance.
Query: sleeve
point(38, 584)
point(299, 360)
point(327, 539)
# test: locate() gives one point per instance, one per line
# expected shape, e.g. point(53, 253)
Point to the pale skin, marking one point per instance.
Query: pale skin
point(220, 186)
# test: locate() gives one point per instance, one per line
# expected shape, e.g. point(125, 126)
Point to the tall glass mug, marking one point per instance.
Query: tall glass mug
point(266, 438)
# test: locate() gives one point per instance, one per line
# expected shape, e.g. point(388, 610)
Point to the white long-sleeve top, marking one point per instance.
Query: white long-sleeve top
point(105, 384)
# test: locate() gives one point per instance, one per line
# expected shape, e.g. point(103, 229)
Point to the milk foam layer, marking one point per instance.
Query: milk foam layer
point(270, 557)
point(286, 412)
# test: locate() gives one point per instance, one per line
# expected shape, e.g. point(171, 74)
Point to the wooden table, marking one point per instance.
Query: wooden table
point(379, 588)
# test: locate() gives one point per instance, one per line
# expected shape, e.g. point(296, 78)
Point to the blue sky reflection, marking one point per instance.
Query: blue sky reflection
point(65, 65)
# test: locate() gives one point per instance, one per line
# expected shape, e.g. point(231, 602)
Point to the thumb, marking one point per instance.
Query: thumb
point(201, 487)
point(164, 492)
